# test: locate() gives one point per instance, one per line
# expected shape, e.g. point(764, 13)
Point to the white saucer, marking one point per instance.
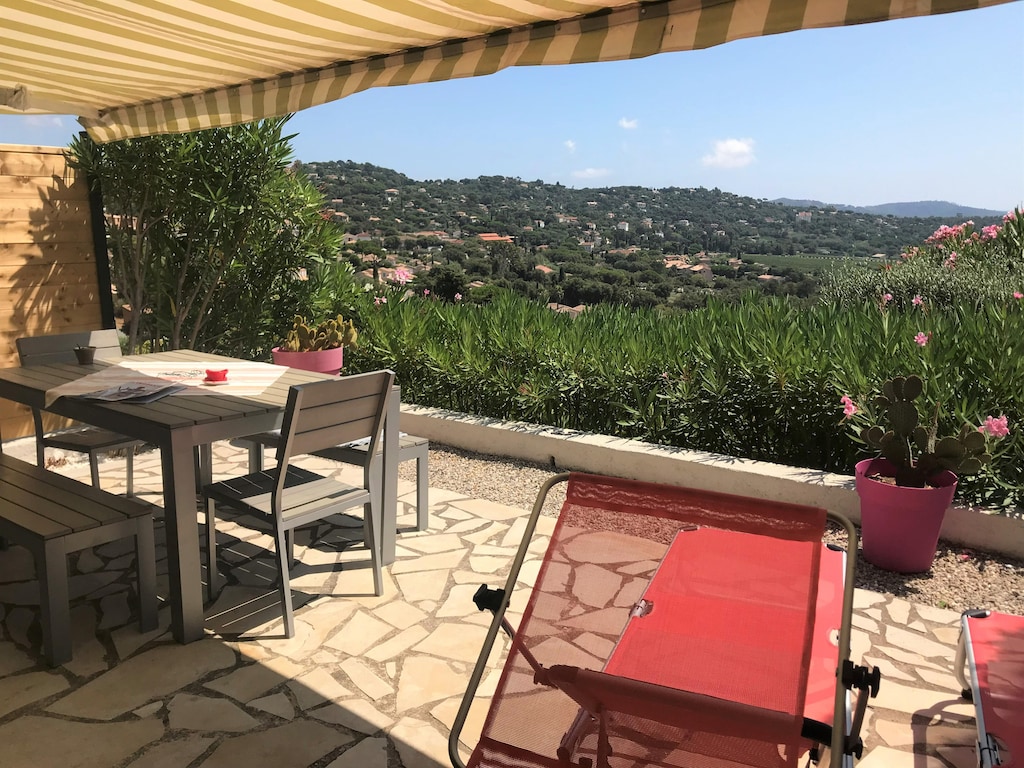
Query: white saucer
point(214, 383)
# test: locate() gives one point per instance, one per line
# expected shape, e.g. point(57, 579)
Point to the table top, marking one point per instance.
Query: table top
point(149, 420)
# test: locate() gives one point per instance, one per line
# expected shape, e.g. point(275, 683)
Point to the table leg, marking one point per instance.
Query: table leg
point(389, 501)
point(184, 570)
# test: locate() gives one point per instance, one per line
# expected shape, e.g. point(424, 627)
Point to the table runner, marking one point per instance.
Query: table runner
point(244, 378)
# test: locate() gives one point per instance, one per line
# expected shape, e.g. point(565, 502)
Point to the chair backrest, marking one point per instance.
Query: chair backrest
point(323, 414)
point(60, 347)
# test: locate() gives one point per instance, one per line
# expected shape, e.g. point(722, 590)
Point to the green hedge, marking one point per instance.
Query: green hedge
point(762, 379)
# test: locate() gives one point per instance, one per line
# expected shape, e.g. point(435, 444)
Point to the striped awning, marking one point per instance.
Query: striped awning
point(138, 67)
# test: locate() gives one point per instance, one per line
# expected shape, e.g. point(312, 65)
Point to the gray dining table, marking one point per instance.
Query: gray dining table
point(178, 425)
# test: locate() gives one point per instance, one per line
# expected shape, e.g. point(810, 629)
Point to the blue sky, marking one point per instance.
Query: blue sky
point(920, 109)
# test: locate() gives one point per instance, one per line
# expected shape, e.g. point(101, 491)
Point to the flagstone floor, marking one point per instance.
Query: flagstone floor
point(367, 682)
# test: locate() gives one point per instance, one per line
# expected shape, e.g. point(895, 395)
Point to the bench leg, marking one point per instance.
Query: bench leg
point(130, 472)
point(40, 448)
point(211, 550)
point(422, 485)
point(145, 569)
point(55, 611)
point(94, 470)
point(203, 460)
point(255, 457)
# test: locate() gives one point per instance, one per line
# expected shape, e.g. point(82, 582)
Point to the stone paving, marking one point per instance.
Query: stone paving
point(367, 682)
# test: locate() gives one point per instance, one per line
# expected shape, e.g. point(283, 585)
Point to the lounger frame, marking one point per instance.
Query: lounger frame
point(845, 731)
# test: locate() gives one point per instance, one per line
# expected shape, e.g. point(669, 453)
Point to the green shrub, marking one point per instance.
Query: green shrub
point(762, 379)
point(956, 266)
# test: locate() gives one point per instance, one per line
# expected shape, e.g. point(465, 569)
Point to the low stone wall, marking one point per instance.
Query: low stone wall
point(567, 449)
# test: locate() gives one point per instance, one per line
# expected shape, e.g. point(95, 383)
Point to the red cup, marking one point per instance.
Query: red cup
point(216, 375)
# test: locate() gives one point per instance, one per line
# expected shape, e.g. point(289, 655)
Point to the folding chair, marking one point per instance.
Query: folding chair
point(318, 415)
point(670, 626)
point(60, 348)
point(992, 647)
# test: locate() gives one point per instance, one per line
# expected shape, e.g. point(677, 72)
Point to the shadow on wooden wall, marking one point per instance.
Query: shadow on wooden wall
point(48, 252)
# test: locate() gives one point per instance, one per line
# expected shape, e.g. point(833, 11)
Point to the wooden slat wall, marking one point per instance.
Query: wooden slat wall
point(48, 278)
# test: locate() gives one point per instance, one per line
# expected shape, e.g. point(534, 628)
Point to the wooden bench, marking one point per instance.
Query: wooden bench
point(51, 516)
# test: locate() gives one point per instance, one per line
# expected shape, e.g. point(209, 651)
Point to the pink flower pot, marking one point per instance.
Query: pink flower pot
point(900, 526)
point(320, 360)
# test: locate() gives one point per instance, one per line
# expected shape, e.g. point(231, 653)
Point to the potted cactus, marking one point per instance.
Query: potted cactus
point(316, 348)
point(905, 491)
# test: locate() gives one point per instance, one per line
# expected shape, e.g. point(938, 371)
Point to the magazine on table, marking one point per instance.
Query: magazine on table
point(134, 392)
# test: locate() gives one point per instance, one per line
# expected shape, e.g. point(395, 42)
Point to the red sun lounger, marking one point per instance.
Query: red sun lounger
point(992, 647)
point(674, 627)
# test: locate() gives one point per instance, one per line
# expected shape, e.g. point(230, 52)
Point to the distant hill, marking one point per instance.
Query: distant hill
point(921, 209)
point(605, 226)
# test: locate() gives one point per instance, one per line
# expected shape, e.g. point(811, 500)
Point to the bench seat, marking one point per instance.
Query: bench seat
point(52, 515)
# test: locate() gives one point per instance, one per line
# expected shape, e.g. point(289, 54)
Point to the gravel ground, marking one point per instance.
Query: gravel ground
point(959, 578)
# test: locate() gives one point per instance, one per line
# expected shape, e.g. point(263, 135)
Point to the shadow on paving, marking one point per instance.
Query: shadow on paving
point(242, 697)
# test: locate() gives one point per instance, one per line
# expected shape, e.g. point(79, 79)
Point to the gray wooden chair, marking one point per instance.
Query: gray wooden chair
point(410, 447)
point(318, 415)
point(60, 348)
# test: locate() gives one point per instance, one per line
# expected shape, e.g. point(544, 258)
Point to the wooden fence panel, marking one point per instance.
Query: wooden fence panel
point(48, 277)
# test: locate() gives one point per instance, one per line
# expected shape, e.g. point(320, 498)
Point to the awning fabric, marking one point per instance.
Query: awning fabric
point(138, 67)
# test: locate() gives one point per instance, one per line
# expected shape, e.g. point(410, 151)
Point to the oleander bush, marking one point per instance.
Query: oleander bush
point(955, 266)
point(762, 379)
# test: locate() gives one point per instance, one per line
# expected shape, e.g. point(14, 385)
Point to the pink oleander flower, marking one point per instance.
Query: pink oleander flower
point(403, 275)
point(426, 291)
point(378, 300)
point(886, 298)
point(458, 297)
point(991, 232)
point(1018, 295)
point(849, 407)
point(922, 339)
point(917, 301)
point(910, 252)
point(945, 232)
point(1009, 217)
point(997, 427)
point(950, 260)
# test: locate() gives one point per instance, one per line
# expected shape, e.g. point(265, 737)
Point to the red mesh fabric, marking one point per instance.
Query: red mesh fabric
point(732, 617)
point(997, 642)
point(608, 549)
point(717, 510)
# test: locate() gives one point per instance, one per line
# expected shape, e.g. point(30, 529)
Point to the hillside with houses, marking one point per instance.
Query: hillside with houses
point(571, 247)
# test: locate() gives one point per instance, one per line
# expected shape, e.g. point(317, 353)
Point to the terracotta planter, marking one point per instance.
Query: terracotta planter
point(320, 360)
point(900, 526)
